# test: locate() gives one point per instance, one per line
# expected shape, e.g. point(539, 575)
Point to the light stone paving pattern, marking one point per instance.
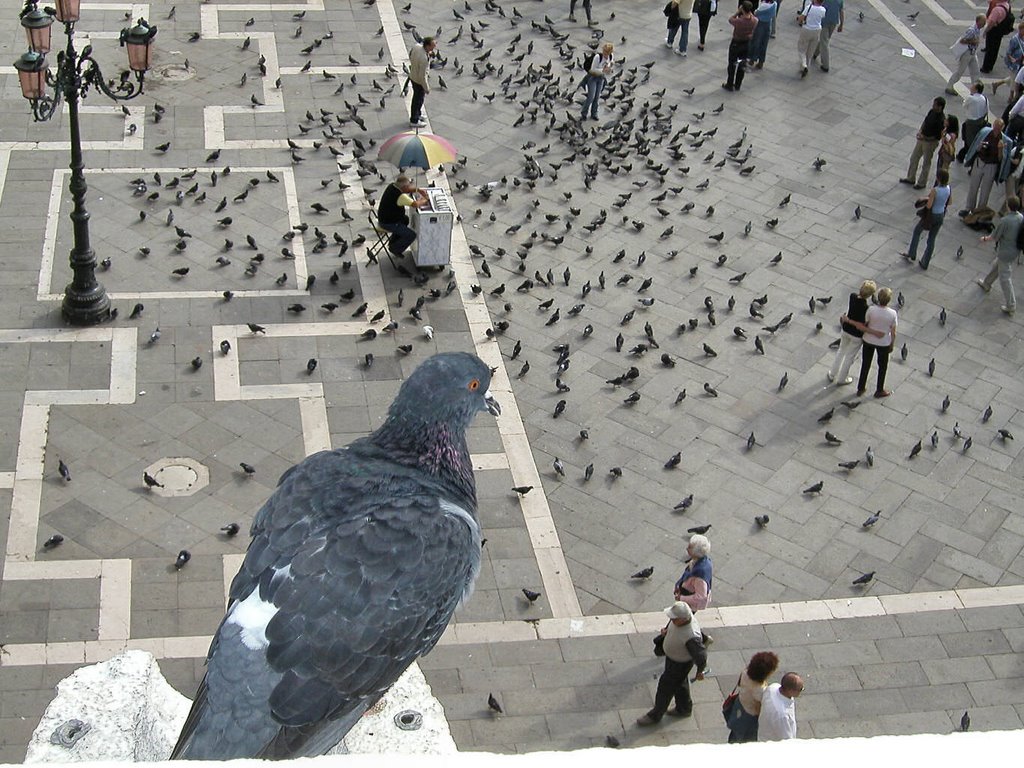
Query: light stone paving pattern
point(938, 632)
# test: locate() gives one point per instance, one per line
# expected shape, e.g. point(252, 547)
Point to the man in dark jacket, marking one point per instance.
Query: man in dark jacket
point(928, 138)
point(391, 215)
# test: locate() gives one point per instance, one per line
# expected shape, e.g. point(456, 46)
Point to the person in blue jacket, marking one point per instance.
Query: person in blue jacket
point(765, 14)
point(989, 158)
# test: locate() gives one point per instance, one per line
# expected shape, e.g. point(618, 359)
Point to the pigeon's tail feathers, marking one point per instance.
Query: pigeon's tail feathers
point(246, 725)
point(315, 739)
point(230, 717)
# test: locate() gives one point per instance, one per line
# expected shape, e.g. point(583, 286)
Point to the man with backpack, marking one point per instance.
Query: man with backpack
point(1009, 237)
point(998, 24)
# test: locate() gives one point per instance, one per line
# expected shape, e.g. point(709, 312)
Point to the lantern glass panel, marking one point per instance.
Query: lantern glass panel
point(68, 11)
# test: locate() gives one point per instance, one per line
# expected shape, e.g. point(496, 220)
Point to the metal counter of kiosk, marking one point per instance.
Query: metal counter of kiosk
point(433, 226)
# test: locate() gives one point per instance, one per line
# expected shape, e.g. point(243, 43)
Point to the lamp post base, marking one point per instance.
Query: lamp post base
point(85, 307)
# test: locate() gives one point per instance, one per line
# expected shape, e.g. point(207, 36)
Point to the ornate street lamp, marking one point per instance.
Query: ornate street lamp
point(85, 299)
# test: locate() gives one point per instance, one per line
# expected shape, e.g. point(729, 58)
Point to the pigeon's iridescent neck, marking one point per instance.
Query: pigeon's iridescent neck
point(443, 452)
point(437, 448)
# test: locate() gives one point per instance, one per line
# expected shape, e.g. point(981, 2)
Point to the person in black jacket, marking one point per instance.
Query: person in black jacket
point(850, 341)
point(998, 24)
point(705, 10)
point(928, 137)
point(391, 215)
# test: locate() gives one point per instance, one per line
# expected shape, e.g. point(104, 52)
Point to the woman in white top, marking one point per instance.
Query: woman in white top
point(742, 721)
point(810, 33)
point(879, 338)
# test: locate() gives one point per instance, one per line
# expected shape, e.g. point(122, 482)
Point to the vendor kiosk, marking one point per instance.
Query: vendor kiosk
point(432, 223)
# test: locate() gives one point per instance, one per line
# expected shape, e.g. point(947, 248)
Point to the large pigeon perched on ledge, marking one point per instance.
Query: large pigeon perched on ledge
point(357, 563)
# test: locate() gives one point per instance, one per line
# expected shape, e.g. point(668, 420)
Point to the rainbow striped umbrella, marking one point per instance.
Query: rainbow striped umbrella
point(422, 150)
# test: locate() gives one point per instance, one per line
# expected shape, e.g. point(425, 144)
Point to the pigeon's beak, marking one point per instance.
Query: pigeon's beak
point(492, 405)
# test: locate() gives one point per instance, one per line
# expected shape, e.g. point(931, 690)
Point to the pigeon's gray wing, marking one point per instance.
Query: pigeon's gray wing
point(354, 571)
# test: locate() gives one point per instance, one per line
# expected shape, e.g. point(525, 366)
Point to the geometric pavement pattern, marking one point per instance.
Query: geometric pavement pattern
point(940, 629)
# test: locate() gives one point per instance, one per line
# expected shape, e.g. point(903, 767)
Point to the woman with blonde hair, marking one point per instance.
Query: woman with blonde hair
point(879, 330)
point(850, 341)
point(742, 719)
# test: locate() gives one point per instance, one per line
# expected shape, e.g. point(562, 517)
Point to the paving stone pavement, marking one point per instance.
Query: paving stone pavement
point(111, 405)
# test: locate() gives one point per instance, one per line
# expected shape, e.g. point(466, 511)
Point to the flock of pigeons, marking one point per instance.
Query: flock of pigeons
point(538, 245)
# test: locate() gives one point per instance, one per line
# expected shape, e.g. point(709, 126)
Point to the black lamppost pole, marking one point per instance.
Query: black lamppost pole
point(85, 299)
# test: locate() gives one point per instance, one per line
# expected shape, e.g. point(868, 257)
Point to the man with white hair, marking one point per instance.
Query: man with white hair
point(683, 649)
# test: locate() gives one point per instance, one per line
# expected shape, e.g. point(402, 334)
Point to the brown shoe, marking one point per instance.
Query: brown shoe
point(882, 393)
point(648, 720)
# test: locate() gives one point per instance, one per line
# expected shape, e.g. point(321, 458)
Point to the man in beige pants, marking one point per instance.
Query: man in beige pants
point(810, 33)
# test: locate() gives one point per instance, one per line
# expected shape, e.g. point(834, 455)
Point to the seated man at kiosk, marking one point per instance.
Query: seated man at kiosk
point(391, 215)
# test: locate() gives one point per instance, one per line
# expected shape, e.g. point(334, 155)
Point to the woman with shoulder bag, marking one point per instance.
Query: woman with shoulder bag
point(947, 144)
point(931, 212)
point(742, 719)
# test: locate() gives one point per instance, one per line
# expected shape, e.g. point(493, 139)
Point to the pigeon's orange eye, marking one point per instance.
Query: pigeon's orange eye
point(474, 385)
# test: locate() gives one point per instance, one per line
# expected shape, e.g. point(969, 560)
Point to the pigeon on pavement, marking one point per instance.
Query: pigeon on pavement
point(357, 563)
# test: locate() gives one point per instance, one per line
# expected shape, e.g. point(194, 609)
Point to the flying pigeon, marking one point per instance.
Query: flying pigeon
point(358, 562)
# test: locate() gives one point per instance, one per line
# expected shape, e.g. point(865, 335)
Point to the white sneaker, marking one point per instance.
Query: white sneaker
point(982, 285)
point(849, 380)
point(668, 43)
point(680, 53)
point(1008, 310)
point(830, 377)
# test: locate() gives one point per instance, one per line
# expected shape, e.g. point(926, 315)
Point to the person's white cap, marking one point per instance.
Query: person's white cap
point(679, 610)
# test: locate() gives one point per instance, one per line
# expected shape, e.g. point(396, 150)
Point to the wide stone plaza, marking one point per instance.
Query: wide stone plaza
point(564, 205)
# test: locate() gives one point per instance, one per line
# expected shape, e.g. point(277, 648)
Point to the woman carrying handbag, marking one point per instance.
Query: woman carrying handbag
point(931, 213)
point(741, 718)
